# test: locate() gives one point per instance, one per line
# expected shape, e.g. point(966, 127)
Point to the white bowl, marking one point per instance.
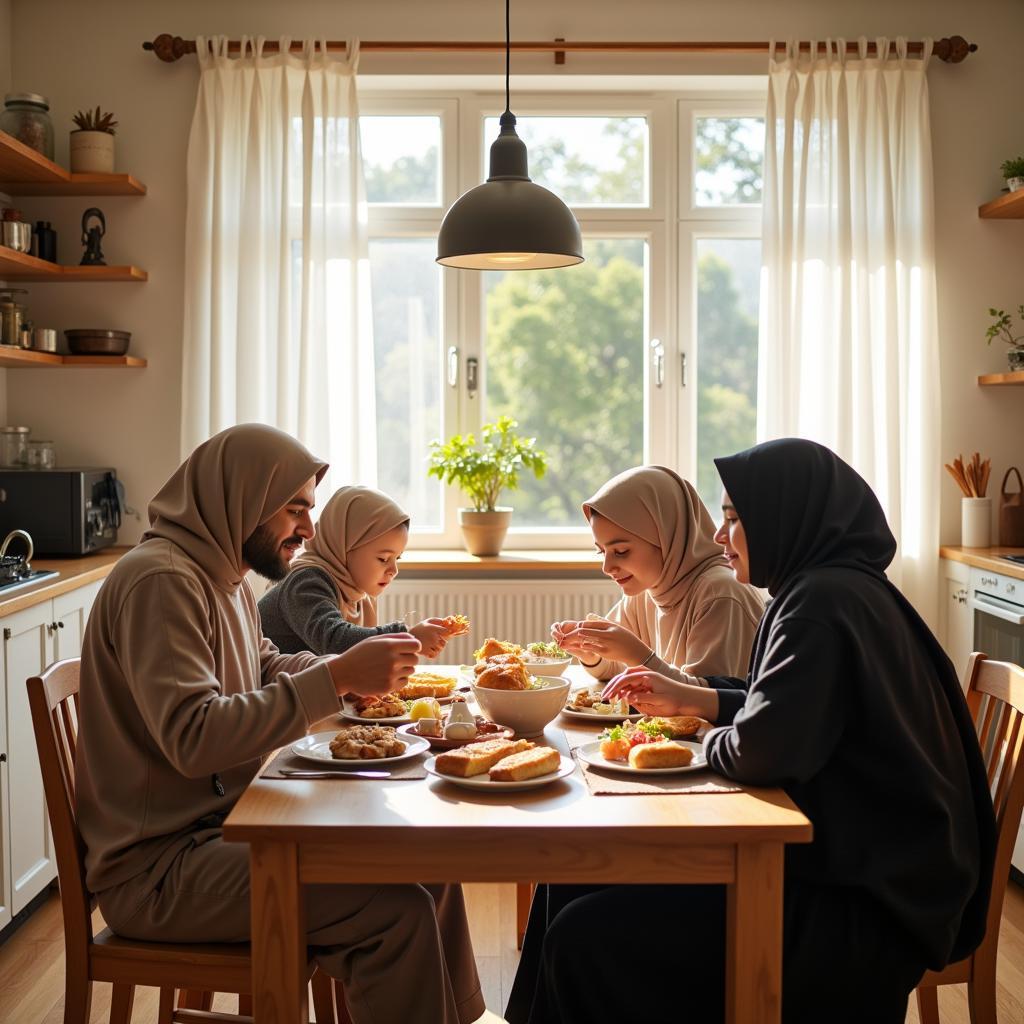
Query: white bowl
point(526, 711)
point(547, 666)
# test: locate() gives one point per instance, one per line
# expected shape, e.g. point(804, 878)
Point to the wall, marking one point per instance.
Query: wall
point(81, 54)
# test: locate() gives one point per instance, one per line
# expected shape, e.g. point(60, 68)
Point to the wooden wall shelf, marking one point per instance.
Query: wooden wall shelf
point(13, 358)
point(1008, 207)
point(1014, 377)
point(24, 172)
point(20, 266)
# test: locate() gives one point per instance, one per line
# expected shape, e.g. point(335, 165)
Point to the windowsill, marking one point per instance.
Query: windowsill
point(427, 562)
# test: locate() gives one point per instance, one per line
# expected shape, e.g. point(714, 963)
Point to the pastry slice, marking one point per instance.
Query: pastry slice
point(660, 755)
point(527, 765)
point(476, 758)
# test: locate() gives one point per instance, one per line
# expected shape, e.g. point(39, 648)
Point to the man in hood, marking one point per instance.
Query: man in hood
point(181, 697)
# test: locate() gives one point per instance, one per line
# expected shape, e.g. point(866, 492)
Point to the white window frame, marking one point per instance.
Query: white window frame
point(671, 224)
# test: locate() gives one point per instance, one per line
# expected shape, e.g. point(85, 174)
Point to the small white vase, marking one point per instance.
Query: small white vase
point(92, 152)
point(976, 522)
point(1015, 184)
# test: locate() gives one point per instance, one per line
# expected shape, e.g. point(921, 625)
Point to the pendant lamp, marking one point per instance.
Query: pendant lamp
point(509, 223)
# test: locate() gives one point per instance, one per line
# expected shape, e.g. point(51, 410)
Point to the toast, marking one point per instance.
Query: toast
point(660, 755)
point(526, 765)
point(476, 758)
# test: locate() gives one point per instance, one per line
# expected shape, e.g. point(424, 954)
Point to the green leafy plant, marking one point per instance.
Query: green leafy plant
point(95, 121)
point(1013, 168)
point(482, 471)
point(1002, 327)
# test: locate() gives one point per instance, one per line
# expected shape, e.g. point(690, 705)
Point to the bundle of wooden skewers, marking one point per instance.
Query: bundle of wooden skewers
point(972, 478)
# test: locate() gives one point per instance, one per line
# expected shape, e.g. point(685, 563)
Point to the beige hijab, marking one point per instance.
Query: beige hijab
point(224, 490)
point(354, 516)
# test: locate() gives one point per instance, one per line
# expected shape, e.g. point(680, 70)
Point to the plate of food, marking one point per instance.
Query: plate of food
point(440, 686)
point(358, 744)
point(587, 704)
point(500, 765)
point(389, 709)
point(546, 658)
point(485, 730)
point(662, 757)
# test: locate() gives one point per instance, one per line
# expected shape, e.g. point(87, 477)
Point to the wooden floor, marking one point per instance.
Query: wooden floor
point(32, 965)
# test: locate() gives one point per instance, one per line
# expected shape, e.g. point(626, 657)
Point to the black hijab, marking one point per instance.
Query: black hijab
point(802, 508)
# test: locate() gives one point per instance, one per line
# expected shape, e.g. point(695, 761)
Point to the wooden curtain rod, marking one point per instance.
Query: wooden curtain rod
point(170, 48)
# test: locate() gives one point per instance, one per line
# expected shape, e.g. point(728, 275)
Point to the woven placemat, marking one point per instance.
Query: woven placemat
point(411, 769)
point(607, 783)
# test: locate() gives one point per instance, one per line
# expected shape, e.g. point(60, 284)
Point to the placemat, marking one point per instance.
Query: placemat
point(605, 783)
point(411, 769)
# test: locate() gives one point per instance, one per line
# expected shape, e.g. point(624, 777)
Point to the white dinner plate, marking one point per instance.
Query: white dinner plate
point(348, 711)
point(485, 782)
point(317, 747)
point(596, 716)
point(590, 753)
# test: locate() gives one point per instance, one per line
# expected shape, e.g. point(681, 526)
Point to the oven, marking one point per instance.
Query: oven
point(997, 603)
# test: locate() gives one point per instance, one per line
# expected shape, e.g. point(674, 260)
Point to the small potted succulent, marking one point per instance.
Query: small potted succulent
point(482, 471)
point(92, 143)
point(1002, 328)
point(1013, 172)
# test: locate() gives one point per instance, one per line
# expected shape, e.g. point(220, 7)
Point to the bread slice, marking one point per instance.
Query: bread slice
point(476, 758)
point(527, 765)
point(660, 755)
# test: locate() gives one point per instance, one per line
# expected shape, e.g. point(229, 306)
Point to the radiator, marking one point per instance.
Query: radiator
point(518, 610)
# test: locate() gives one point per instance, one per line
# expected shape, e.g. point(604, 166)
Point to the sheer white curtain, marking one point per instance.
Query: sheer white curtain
point(848, 349)
point(278, 325)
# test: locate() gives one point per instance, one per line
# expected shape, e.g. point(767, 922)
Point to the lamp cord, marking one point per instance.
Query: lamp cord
point(508, 52)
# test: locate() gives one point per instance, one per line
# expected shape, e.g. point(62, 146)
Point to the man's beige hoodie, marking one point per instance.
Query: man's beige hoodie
point(181, 695)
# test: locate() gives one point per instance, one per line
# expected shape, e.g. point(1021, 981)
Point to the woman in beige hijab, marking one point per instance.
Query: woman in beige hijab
point(328, 601)
point(681, 608)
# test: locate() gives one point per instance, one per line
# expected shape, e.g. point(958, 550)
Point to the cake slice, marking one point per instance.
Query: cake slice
point(526, 765)
point(476, 758)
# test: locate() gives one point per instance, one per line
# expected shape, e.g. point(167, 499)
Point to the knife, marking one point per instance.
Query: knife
point(300, 773)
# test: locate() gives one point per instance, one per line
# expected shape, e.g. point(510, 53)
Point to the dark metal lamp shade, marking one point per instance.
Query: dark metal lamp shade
point(509, 223)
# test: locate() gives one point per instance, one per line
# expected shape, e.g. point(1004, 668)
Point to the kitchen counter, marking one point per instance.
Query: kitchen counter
point(986, 558)
point(74, 573)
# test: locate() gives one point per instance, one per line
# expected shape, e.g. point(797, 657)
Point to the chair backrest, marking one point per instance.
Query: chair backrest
point(53, 700)
point(995, 694)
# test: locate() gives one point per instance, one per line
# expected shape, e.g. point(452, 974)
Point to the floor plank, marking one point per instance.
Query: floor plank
point(32, 965)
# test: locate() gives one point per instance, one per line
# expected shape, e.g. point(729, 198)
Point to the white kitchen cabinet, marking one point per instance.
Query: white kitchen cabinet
point(956, 620)
point(33, 638)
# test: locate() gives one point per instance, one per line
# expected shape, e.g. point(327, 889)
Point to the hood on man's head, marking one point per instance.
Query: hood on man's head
point(225, 489)
point(802, 506)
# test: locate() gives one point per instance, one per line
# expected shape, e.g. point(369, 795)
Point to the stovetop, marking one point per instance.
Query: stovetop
point(1019, 559)
point(27, 579)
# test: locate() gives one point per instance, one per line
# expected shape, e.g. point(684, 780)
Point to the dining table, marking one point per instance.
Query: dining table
point(398, 830)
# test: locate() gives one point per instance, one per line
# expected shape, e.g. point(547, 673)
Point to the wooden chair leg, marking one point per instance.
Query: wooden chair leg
point(77, 996)
point(981, 998)
point(122, 1000)
point(928, 1004)
point(524, 897)
point(195, 999)
point(165, 1014)
point(323, 997)
point(244, 1005)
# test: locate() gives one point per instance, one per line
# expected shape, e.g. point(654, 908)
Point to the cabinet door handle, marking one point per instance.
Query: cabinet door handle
point(3, 758)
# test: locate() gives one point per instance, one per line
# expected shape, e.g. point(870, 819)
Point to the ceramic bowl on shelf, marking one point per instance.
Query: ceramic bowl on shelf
point(96, 341)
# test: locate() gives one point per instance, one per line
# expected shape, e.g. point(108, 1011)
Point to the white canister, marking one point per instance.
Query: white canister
point(976, 522)
point(92, 152)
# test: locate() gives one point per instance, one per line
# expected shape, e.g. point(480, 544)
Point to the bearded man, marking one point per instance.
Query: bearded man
point(182, 696)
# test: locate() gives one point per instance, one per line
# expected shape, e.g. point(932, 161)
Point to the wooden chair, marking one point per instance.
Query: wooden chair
point(126, 963)
point(524, 897)
point(995, 694)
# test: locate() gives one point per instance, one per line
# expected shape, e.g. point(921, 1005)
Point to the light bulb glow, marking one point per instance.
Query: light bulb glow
point(504, 258)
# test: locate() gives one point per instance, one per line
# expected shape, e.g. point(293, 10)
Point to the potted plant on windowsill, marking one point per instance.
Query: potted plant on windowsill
point(91, 146)
point(1013, 172)
point(1002, 328)
point(482, 471)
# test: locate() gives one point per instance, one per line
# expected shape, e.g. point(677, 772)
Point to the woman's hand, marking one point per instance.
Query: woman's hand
point(655, 694)
point(600, 638)
point(432, 635)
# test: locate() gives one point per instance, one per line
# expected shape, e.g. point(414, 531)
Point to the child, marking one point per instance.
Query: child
point(328, 601)
point(681, 609)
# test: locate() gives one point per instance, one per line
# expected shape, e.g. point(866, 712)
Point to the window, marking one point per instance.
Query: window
point(646, 352)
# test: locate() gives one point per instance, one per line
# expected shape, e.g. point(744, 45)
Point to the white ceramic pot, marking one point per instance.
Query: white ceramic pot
point(1015, 184)
point(92, 152)
point(976, 522)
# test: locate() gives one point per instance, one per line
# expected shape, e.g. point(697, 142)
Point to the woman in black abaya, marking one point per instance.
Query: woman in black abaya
point(851, 706)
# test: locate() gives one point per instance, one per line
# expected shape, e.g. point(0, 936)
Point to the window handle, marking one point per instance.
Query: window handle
point(682, 369)
point(453, 366)
point(658, 361)
point(472, 371)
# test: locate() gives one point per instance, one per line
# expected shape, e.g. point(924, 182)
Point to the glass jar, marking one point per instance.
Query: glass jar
point(13, 445)
point(40, 455)
point(26, 116)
